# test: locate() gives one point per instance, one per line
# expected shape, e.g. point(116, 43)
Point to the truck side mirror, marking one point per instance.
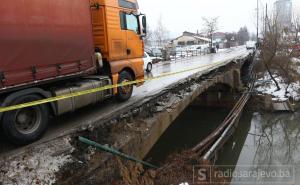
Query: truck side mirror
point(143, 25)
point(144, 22)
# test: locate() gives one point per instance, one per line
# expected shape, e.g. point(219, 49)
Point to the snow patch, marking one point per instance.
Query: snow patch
point(266, 86)
point(32, 168)
point(296, 60)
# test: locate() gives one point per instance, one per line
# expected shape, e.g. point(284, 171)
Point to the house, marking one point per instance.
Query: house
point(189, 39)
point(219, 37)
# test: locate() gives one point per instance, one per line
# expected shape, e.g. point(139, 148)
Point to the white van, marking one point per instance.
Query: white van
point(251, 45)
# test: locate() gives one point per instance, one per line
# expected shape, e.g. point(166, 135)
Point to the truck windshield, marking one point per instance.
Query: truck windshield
point(132, 23)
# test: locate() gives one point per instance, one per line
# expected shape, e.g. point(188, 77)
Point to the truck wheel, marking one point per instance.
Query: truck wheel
point(149, 67)
point(124, 92)
point(24, 126)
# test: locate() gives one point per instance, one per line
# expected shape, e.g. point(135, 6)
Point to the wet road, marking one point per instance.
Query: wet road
point(65, 124)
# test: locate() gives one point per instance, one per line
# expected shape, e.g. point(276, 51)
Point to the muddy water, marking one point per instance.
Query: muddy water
point(265, 149)
point(193, 125)
point(268, 144)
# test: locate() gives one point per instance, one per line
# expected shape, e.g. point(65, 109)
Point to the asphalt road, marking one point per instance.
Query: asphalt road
point(64, 124)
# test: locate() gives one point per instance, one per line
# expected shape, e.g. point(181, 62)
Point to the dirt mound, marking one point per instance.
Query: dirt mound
point(180, 168)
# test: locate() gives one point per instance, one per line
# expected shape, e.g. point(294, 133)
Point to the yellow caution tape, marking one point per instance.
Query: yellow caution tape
point(81, 93)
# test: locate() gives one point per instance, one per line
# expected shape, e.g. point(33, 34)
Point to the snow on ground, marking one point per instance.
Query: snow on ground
point(296, 60)
point(266, 86)
point(32, 168)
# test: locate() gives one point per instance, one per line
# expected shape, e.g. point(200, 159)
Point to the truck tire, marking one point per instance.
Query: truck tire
point(24, 126)
point(124, 92)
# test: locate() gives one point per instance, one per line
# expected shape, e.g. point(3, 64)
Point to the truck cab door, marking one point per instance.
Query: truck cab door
point(134, 41)
point(108, 37)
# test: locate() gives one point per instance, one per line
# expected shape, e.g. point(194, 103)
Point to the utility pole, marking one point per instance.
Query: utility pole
point(257, 22)
point(266, 20)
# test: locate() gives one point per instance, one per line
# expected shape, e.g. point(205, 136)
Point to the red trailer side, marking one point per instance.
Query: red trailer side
point(44, 39)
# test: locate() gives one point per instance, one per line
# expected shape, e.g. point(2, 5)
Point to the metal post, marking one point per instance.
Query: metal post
point(180, 55)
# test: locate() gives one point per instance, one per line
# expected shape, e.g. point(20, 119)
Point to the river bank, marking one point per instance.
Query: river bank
point(263, 143)
point(263, 150)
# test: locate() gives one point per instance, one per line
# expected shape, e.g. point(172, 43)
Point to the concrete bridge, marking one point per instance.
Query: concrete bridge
point(133, 127)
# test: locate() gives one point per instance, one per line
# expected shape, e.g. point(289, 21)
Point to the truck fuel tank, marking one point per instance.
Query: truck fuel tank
point(74, 103)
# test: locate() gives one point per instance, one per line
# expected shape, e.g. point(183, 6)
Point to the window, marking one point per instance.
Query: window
point(132, 23)
point(129, 22)
point(190, 43)
point(150, 55)
point(127, 4)
point(181, 43)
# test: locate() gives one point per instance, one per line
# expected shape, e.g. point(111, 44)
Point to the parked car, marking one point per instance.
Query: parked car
point(198, 47)
point(155, 59)
point(148, 65)
point(156, 52)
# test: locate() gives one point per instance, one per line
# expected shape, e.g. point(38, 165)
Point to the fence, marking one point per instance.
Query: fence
point(178, 55)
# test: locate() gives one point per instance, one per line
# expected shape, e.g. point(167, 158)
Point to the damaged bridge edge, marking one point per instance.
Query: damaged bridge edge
point(140, 144)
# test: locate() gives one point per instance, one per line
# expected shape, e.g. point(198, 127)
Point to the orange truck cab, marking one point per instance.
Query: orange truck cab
point(118, 31)
point(51, 48)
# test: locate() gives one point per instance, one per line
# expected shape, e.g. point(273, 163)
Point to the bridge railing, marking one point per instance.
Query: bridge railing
point(178, 55)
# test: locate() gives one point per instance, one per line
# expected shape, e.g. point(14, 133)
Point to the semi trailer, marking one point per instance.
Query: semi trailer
point(51, 48)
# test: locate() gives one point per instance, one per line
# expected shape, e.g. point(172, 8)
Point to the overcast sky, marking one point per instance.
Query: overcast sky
point(186, 15)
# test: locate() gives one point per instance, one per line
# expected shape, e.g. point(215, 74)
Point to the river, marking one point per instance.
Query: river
point(266, 143)
point(265, 149)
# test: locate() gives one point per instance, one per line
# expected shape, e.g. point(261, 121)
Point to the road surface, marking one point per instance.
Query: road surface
point(65, 124)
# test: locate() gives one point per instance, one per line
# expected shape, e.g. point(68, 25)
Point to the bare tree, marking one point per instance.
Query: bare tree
point(160, 34)
point(283, 62)
point(270, 45)
point(149, 37)
point(295, 35)
point(243, 35)
point(253, 37)
point(278, 50)
point(210, 27)
point(230, 37)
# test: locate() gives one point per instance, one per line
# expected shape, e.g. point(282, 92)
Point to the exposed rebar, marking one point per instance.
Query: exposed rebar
point(115, 152)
